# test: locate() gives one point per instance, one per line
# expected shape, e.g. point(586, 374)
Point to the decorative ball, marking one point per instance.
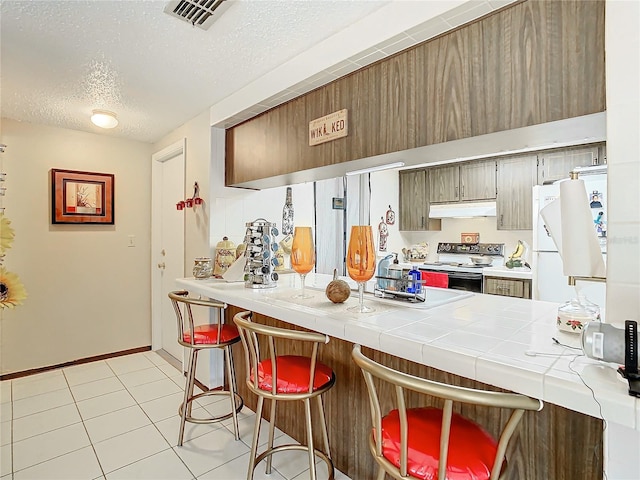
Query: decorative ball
point(338, 290)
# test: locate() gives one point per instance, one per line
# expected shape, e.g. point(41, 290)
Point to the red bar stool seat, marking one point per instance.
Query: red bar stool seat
point(471, 449)
point(436, 443)
point(200, 337)
point(285, 378)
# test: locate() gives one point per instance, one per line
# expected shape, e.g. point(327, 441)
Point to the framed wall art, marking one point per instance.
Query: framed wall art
point(82, 197)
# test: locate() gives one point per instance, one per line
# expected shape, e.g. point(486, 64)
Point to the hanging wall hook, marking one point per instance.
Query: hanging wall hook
point(191, 202)
point(196, 194)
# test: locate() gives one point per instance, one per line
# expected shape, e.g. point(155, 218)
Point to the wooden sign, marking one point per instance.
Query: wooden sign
point(327, 128)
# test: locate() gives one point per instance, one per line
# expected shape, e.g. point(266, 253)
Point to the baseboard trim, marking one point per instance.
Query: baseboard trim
point(33, 371)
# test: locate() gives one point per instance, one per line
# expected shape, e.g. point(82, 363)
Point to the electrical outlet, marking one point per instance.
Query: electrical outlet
point(132, 241)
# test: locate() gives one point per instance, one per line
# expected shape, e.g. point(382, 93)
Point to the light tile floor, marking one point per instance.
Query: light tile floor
point(117, 419)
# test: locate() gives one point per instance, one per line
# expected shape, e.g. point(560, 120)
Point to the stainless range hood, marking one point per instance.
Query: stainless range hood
point(463, 210)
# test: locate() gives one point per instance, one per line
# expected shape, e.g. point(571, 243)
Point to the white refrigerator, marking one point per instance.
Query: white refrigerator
point(549, 282)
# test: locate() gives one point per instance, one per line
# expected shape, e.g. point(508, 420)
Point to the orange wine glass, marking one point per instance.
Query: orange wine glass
point(361, 261)
point(303, 255)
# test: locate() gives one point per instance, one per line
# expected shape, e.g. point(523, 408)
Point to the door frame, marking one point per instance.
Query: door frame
point(157, 159)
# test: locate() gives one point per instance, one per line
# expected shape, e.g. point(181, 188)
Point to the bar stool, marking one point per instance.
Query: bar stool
point(296, 378)
point(200, 337)
point(429, 443)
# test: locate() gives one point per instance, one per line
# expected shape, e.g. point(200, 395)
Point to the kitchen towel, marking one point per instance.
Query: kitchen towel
point(570, 223)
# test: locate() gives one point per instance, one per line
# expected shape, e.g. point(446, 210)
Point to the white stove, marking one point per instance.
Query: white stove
point(454, 259)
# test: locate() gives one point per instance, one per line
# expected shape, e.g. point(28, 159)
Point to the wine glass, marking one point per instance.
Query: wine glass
point(361, 261)
point(303, 255)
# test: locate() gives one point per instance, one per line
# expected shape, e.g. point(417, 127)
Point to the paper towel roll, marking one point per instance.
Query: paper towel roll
point(570, 223)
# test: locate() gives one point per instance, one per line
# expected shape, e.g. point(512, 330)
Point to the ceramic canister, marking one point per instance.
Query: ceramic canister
point(225, 255)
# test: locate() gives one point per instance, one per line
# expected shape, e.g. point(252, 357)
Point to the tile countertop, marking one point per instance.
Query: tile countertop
point(502, 341)
point(520, 272)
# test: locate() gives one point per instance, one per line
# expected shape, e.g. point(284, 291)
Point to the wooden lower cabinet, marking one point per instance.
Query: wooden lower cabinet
point(507, 287)
point(554, 443)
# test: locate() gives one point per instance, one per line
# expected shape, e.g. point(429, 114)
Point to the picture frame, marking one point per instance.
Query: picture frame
point(82, 197)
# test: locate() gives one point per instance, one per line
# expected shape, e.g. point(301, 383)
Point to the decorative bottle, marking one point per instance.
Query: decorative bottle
point(415, 284)
point(287, 215)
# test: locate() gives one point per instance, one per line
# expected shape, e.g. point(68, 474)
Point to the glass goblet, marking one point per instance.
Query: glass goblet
point(361, 262)
point(303, 255)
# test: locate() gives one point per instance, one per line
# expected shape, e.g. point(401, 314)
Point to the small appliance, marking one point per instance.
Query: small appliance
point(605, 342)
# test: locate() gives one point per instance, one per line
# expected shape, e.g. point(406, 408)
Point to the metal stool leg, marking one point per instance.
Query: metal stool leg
point(323, 424)
point(232, 390)
point(272, 428)
point(312, 457)
point(256, 434)
point(185, 408)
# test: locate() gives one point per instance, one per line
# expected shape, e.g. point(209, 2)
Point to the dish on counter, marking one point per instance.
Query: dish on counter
point(480, 260)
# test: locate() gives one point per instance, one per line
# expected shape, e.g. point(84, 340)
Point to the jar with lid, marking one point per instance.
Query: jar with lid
point(202, 268)
point(574, 315)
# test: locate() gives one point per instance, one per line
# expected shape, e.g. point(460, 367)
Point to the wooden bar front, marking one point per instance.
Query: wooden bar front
point(555, 443)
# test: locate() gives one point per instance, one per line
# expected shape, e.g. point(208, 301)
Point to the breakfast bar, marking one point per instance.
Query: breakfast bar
point(461, 338)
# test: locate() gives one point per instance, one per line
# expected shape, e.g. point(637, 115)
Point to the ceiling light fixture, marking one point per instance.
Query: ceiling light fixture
point(104, 119)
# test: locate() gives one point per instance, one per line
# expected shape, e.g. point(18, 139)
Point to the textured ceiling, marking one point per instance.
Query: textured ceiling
point(60, 59)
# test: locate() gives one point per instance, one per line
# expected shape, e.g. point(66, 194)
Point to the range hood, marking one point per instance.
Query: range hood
point(463, 210)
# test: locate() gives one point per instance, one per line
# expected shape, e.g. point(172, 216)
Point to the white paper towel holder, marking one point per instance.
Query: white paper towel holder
point(573, 278)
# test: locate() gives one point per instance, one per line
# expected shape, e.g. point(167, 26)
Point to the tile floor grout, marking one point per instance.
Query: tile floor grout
point(63, 464)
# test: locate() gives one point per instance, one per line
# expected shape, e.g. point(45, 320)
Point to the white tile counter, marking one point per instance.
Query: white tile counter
point(502, 341)
point(519, 272)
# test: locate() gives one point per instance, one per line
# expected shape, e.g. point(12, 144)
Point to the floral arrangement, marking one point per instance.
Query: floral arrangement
point(12, 291)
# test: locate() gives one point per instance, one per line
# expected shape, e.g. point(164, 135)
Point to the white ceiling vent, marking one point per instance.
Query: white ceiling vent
point(199, 13)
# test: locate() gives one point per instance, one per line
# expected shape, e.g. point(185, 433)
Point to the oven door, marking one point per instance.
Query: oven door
point(471, 282)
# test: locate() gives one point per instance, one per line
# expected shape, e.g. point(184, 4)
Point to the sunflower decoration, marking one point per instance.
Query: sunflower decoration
point(6, 233)
point(12, 291)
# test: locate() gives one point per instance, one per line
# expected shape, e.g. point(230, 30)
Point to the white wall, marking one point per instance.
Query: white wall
point(88, 293)
point(622, 44)
point(384, 192)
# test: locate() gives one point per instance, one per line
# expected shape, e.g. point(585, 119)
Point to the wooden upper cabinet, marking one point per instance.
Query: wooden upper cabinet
point(556, 165)
point(514, 203)
point(532, 62)
point(414, 202)
point(463, 182)
point(444, 184)
point(478, 180)
point(413, 206)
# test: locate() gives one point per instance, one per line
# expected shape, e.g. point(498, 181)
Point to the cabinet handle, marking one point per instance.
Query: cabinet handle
point(501, 219)
point(462, 192)
point(422, 221)
point(457, 194)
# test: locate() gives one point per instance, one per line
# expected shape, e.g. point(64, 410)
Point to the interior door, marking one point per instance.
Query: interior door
point(167, 244)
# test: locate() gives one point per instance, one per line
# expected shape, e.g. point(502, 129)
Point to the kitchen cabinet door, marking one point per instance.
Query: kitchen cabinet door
point(514, 203)
point(414, 202)
point(478, 180)
point(556, 164)
point(444, 184)
point(508, 287)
